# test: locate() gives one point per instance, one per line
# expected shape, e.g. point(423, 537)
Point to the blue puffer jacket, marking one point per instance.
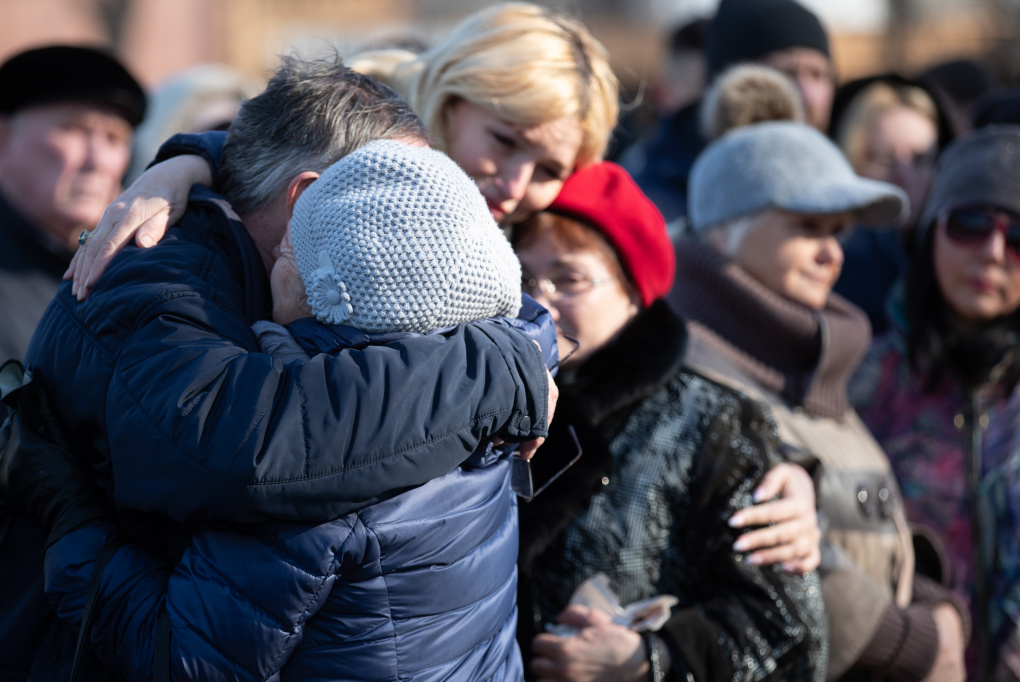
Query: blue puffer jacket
point(158, 377)
point(422, 586)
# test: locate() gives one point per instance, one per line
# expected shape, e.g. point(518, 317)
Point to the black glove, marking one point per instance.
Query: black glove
point(39, 474)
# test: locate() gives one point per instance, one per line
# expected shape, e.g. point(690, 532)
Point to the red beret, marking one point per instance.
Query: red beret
point(605, 197)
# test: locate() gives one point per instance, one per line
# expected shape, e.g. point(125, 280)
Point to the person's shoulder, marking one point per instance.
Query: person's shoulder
point(715, 393)
point(723, 429)
point(885, 360)
point(206, 254)
point(707, 405)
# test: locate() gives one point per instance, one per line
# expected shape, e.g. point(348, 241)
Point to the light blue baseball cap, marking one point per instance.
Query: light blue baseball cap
point(789, 166)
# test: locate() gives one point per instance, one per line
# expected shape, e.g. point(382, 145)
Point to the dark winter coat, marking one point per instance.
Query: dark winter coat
point(668, 457)
point(31, 267)
point(422, 586)
point(158, 377)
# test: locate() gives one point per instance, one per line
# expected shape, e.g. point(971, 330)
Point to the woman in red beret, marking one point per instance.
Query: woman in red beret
point(668, 458)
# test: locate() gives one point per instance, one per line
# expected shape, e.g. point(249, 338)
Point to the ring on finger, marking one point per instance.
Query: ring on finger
point(84, 237)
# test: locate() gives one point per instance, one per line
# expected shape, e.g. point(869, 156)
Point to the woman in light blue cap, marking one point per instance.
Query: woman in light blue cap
point(769, 204)
point(941, 390)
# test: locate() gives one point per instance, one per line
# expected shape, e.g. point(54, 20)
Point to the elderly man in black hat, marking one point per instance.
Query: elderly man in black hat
point(782, 34)
point(66, 120)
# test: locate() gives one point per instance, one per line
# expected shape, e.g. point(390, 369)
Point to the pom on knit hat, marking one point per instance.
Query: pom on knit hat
point(395, 237)
point(746, 94)
point(605, 197)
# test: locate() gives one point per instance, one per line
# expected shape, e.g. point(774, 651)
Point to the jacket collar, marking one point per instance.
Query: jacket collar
point(628, 368)
point(28, 245)
point(241, 252)
point(806, 356)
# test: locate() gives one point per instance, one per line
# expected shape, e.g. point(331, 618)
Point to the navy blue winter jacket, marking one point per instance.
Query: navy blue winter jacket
point(422, 586)
point(158, 378)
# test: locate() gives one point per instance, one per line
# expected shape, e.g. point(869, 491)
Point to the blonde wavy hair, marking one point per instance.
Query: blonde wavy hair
point(875, 100)
point(521, 62)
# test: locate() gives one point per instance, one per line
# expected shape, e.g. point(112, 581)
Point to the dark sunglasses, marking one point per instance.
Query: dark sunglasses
point(973, 225)
point(520, 472)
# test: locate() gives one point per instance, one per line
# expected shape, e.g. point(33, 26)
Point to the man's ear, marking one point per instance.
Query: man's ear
point(298, 184)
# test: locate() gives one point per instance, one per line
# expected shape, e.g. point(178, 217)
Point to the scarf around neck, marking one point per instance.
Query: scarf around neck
point(804, 355)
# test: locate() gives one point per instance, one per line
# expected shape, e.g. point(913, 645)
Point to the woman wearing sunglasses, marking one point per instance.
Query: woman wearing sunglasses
point(949, 363)
point(769, 205)
point(669, 459)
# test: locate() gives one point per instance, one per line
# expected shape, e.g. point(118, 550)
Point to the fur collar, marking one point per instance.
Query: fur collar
point(596, 398)
point(630, 367)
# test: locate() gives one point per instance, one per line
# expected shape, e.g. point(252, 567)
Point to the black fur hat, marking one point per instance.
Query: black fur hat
point(61, 73)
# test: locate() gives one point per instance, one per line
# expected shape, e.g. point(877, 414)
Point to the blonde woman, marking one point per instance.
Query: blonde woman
point(890, 129)
point(518, 95)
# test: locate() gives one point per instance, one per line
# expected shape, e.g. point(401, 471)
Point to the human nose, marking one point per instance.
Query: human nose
point(514, 178)
point(831, 251)
point(994, 248)
point(804, 87)
point(101, 152)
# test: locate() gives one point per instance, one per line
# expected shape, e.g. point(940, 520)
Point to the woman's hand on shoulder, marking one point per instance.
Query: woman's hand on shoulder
point(787, 524)
point(144, 211)
point(600, 651)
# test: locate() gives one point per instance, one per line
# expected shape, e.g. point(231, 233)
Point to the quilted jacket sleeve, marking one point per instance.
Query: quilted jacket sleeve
point(244, 433)
point(200, 425)
point(207, 145)
point(224, 623)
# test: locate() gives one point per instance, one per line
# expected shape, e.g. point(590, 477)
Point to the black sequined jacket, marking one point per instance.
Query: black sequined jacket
point(668, 457)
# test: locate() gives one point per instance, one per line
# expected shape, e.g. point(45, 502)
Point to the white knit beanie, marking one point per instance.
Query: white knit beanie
point(395, 237)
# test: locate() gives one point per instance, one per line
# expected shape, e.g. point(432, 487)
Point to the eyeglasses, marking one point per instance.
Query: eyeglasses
point(973, 225)
point(922, 161)
point(520, 472)
point(577, 344)
point(563, 284)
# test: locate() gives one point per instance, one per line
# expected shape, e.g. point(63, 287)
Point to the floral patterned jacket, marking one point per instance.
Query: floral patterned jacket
point(919, 431)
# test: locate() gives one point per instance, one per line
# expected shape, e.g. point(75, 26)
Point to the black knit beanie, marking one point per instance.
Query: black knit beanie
point(980, 168)
point(744, 30)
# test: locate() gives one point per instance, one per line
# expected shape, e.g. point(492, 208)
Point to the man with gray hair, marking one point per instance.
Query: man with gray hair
point(159, 376)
